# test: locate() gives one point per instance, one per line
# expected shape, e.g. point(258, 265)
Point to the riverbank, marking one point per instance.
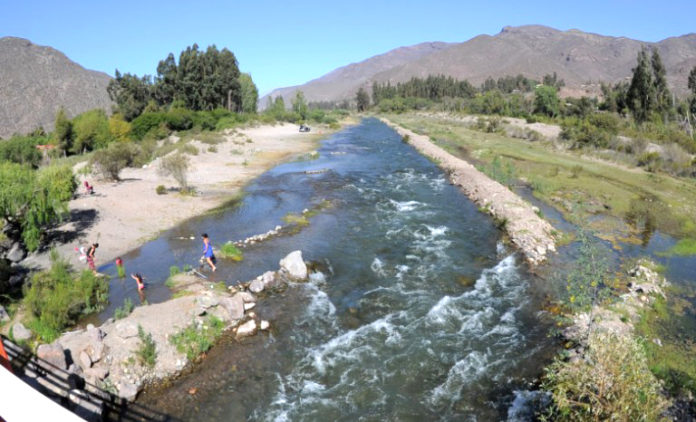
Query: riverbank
point(528, 231)
point(120, 216)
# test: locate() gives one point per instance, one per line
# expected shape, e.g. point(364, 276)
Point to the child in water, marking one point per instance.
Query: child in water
point(139, 279)
point(208, 255)
point(119, 267)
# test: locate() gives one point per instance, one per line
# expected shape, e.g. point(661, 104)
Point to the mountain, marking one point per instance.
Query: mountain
point(35, 81)
point(581, 59)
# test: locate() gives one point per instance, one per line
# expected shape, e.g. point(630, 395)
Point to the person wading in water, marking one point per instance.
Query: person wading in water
point(90, 257)
point(208, 255)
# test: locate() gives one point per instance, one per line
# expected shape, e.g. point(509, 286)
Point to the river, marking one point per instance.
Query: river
point(421, 312)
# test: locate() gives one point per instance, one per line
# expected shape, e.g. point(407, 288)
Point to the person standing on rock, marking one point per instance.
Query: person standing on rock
point(208, 255)
point(90, 257)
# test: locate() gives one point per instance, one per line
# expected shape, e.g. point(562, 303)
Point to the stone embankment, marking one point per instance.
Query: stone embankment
point(530, 233)
point(105, 356)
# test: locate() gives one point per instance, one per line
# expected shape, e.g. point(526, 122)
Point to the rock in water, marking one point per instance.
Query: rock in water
point(53, 354)
point(247, 329)
point(265, 325)
point(234, 306)
point(20, 332)
point(256, 286)
point(16, 253)
point(294, 266)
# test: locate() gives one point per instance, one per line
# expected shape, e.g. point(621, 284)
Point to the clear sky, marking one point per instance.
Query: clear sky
point(285, 43)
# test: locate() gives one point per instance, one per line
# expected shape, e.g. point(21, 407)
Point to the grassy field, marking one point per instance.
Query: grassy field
point(580, 186)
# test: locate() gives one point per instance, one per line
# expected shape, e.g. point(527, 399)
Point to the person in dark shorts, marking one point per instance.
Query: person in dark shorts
point(90, 257)
point(208, 255)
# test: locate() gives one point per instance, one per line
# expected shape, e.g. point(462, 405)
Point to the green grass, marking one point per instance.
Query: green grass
point(124, 310)
point(299, 220)
point(230, 251)
point(147, 351)
point(57, 297)
point(193, 340)
point(567, 176)
point(684, 247)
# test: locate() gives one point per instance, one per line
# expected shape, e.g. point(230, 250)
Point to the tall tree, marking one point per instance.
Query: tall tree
point(130, 92)
point(362, 98)
point(662, 94)
point(546, 100)
point(299, 105)
point(249, 93)
point(63, 132)
point(692, 87)
point(641, 92)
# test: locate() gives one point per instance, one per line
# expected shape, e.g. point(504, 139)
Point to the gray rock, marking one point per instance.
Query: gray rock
point(127, 390)
point(256, 286)
point(98, 372)
point(16, 280)
point(234, 306)
point(247, 297)
point(206, 302)
point(53, 354)
point(94, 333)
point(85, 360)
point(249, 305)
point(264, 325)
point(4, 316)
point(294, 266)
point(126, 329)
point(269, 279)
point(95, 350)
point(75, 369)
point(16, 253)
point(246, 329)
point(20, 332)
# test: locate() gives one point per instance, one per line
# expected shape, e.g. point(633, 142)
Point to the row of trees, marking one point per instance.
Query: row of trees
point(201, 80)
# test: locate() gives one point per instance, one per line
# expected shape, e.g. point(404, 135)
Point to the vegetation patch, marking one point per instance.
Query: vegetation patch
point(124, 310)
point(196, 339)
point(684, 247)
point(147, 351)
point(56, 298)
point(230, 251)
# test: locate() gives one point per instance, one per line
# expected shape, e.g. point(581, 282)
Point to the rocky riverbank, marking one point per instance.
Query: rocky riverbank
point(107, 356)
point(530, 233)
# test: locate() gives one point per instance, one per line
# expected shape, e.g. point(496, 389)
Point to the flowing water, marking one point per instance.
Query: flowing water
point(420, 313)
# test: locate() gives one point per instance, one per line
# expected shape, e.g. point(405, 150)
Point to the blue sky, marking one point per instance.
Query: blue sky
point(290, 42)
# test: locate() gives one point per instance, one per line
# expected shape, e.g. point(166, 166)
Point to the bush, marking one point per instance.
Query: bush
point(229, 250)
point(22, 149)
point(146, 122)
point(147, 351)
point(161, 190)
point(188, 149)
point(174, 270)
point(125, 310)
point(575, 171)
point(91, 130)
point(193, 340)
point(110, 161)
point(175, 165)
point(612, 382)
point(56, 298)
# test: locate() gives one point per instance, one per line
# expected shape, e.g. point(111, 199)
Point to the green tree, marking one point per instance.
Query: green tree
point(31, 200)
point(546, 100)
point(641, 92)
point(299, 105)
point(130, 93)
point(662, 94)
point(362, 98)
point(63, 132)
point(91, 131)
point(692, 87)
point(249, 93)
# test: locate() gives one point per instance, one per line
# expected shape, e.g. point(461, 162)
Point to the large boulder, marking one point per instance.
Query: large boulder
point(294, 266)
point(234, 306)
point(20, 332)
point(53, 354)
point(127, 390)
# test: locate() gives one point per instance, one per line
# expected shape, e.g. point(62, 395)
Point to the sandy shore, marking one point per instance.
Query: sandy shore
point(527, 231)
point(121, 216)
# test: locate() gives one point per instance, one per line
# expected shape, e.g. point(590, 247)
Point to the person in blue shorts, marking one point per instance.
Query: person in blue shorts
point(208, 251)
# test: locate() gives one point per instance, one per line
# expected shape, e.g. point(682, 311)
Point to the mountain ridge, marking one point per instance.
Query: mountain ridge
point(35, 81)
point(576, 56)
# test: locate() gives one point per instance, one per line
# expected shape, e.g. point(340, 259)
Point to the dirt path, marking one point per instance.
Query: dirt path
point(529, 232)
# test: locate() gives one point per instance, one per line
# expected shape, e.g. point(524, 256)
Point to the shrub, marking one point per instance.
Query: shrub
point(193, 340)
point(575, 171)
point(612, 382)
point(56, 298)
point(147, 351)
point(146, 122)
point(650, 160)
point(22, 150)
point(175, 165)
point(188, 149)
point(161, 190)
point(125, 310)
point(110, 161)
point(174, 270)
point(91, 130)
point(229, 250)
point(179, 119)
